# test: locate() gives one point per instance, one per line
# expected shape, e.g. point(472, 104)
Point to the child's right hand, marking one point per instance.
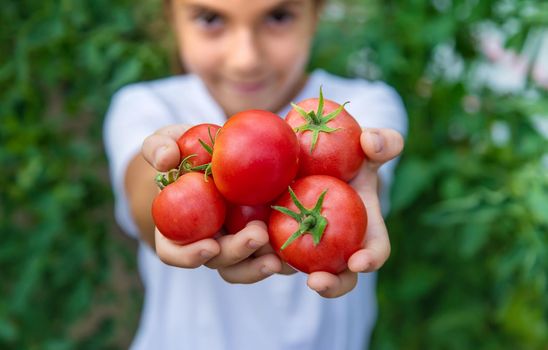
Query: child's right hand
point(234, 256)
point(245, 257)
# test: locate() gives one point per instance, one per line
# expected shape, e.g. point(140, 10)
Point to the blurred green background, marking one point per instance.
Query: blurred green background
point(469, 225)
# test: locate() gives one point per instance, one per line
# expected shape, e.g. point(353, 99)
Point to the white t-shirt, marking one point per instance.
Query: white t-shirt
point(195, 308)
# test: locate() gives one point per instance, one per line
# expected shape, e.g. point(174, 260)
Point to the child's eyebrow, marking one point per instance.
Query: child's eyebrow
point(200, 8)
point(285, 3)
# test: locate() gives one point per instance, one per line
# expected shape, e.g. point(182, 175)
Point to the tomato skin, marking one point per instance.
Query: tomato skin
point(189, 209)
point(343, 236)
point(338, 153)
point(238, 216)
point(188, 143)
point(255, 157)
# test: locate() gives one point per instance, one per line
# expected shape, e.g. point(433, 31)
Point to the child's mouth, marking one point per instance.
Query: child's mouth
point(247, 87)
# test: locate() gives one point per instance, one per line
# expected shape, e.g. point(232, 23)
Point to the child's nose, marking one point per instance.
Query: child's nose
point(244, 53)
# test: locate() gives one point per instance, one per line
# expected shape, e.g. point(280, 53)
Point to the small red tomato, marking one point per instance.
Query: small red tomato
point(329, 138)
point(189, 209)
point(189, 143)
point(318, 224)
point(255, 157)
point(238, 216)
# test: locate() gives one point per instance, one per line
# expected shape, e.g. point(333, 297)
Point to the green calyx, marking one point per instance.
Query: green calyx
point(315, 121)
point(164, 179)
point(169, 177)
point(310, 220)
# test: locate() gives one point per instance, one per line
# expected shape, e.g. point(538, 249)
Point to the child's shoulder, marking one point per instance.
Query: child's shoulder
point(177, 96)
point(373, 103)
point(354, 88)
point(167, 87)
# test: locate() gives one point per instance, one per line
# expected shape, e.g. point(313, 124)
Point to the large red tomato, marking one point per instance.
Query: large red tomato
point(255, 157)
point(189, 144)
point(238, 216)
point(189, 209)
point(329, 138)
point(322, 225)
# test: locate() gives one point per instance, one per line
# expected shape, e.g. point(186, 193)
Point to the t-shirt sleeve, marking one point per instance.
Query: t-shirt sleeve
point(379, 106)
point(135, 112)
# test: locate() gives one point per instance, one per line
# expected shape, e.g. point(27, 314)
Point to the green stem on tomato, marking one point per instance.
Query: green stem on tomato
point(310, 220)
point(164, 179)
point(315, 121)
point(169, 177)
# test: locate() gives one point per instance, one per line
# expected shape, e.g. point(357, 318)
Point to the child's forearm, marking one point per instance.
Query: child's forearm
point(141, 190)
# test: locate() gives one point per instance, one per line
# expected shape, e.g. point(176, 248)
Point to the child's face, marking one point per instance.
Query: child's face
point(249, 53)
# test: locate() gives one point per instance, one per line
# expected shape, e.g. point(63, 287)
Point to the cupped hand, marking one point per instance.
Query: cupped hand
point(244, 257)
point(247, 257)
point(233, 256)
point(379, 146)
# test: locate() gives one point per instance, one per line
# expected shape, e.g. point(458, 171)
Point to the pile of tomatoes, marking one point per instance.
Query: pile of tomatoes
point(292, 174)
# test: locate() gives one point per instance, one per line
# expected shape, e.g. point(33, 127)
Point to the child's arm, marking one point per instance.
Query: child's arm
point(141, 189)
point(379, 146)
point(232, 255)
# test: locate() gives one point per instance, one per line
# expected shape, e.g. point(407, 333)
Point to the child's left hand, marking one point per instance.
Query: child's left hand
point(380, 146)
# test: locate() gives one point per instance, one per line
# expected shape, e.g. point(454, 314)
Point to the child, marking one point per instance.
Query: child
point(241, 55)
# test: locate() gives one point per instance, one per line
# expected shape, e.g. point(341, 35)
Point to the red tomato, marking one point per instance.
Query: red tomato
point(189, 209)
point(255, 157)
point(337, 150)
point(237, 216)
point(189, 143)
point(324, 232)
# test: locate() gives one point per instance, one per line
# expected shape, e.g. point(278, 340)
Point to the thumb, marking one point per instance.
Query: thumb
point(381, 145)
point(160, 149)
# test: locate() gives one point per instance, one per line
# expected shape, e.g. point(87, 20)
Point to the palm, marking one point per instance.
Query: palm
point(377, 244)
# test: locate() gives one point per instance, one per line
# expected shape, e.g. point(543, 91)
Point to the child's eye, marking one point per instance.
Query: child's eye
point(209, 20)
point(280, 17)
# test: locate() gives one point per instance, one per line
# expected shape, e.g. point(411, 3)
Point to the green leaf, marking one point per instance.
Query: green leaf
point(414, 177)
point(287, 212)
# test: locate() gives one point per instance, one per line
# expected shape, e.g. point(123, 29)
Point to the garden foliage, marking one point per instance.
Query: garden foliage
point(469, 221)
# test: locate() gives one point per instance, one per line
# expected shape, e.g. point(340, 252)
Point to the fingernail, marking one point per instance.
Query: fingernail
point(377, 141)
point(158, 154)
point(322, 289)
point(206, 254)
point(253, 244)
point(266, 271)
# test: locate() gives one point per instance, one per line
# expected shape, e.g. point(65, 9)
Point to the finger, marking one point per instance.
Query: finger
point(381, 145)
point(372, 257)
point(239, 246)
point(173, 131)
point(160, 149)
point(376, 248)
point(267, 249)
point(329, 285)
point(161, 152)
point(366, 183)
point(186, 256)
point(251, 270)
